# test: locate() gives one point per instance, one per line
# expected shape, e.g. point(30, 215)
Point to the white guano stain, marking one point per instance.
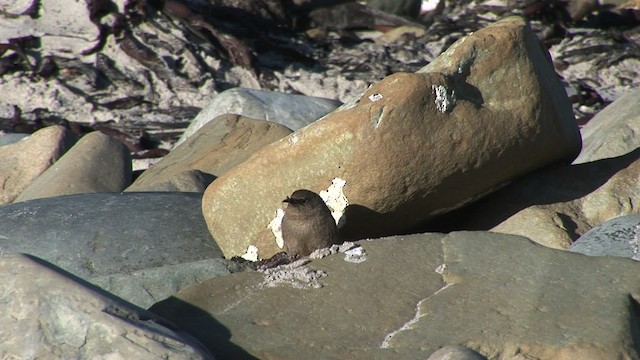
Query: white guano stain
point(276, 227)
point(445, 100)
point(386, 343)
point(251, 254)
point(635, 242)
point(375, 97)
point(336, 200)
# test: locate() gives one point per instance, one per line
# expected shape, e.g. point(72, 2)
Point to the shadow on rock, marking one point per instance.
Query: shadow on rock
point(548, 186)
point(202, 326)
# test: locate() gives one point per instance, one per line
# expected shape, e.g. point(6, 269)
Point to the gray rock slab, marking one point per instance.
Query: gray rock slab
point(148, 286)
point(614, 131)
point(616, 237)
point(48, 313)
point(99, 234)
point(10, 138)
point(502, 296)
point(292, 111)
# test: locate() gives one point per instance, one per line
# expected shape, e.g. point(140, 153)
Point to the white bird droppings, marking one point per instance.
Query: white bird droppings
point(336, 200)
point(445, 100)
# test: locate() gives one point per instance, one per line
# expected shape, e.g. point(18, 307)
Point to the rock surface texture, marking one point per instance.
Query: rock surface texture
point(94, 235)
point(413, 145)
point(49, 314)
point(22, 162)
point(500, 295)
point(614, 131)
point(219, 145)
point(96, 163)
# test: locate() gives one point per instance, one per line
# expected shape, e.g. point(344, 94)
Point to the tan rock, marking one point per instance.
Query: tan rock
point(413, 146)
point(502, 296)
point(614, 131)
point(49, 314)
point(97, 163)
point(24, 161)
point(215, 148)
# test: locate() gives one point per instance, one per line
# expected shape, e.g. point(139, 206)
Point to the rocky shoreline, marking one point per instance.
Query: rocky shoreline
point(490, 205)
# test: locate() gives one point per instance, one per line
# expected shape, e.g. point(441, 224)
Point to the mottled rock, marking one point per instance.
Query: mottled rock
point(96, 163)
point(614, 131)
point(217, 147)
point(292, 111)
point(24, 161)
point(148, 286)
point(49, 313)
point(100, 234)
point(502, 296)
point(413, 146)
point(616, 237)
point(555, 206)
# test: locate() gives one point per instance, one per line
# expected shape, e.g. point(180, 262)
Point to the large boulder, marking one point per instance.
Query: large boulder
point(488, 110)
point(500, 295)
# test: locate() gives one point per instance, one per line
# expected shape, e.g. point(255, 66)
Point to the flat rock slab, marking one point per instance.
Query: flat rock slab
point(500, 295)
point(148, 286)
point(48, 313)
point(100, 234)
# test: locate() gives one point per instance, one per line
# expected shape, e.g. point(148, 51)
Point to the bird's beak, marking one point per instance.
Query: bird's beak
point(287, 200)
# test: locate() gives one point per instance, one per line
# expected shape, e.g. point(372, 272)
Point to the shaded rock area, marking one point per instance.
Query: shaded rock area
point(516, 292)
point(555, 206)
point(449, 115)
point(48, 313)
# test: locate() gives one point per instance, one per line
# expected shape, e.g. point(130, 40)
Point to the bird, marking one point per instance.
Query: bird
point(307, 224)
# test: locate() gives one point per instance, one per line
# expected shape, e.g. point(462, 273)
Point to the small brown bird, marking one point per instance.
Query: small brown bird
point(307, 224)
